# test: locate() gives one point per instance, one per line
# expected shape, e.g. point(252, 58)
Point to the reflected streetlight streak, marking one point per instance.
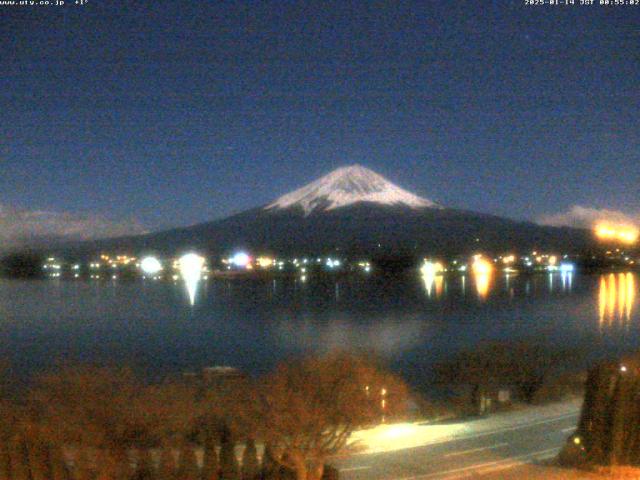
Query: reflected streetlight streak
point(567, 280)
point(438, 284)
point(611, 306)
point(602, 301)
point(616, 299)
point(631, 294)
point(482, 271)
point(432, 275)
point(622, 295)
point(191, 270)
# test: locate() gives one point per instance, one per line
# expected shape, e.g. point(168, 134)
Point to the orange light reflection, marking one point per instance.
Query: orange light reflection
point(616, 299)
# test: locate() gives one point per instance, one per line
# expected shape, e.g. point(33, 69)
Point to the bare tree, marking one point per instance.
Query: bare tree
point(8, 425)
point(229, 469)
point(269, 467)
point(525, 366)
point(144, 466)
point(210, 462)
point(167, 467)
point(250, 469)
point(188, 466)
point(103, 414)
point(311, 407)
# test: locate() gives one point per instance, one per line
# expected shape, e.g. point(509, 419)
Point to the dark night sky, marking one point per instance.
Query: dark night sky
point(179, 112)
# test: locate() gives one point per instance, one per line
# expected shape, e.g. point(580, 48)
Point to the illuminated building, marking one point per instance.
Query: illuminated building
point(265, 262)
point(627, 234)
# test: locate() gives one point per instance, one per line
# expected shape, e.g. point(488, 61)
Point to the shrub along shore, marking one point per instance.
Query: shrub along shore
point(92, 423)
point(96, 423)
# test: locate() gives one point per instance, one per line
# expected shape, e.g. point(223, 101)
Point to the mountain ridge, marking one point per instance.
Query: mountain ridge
point(353, 211)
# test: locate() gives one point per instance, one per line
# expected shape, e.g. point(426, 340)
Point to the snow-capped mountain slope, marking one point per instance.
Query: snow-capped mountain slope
point(346, 186)
point(355, 212)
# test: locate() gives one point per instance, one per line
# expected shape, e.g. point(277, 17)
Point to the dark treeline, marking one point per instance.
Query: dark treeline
point(93, 423)
point(607, 438)
point(609, 427)
point(24, 264)
point(531, 372)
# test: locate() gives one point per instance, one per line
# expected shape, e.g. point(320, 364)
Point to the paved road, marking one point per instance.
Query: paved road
point(484, 447)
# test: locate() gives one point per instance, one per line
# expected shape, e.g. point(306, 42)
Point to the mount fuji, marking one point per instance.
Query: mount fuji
point(348, 186)
point(353, 211)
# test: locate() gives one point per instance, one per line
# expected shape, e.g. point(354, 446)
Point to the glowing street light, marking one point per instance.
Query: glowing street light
point(150, 265)
point(481, 266)
point(240, 259)
point(567, 268)
point(431, 269)
point(265, 262)
point(190, 266)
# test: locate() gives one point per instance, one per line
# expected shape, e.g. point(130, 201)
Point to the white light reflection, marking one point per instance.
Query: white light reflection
point(191, 270)
point(432, 275)
point(567, 280)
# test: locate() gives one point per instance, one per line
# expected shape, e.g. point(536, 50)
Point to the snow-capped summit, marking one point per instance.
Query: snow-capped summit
point(345, 186)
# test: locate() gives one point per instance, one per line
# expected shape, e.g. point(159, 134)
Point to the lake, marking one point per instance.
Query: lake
point(253, 324)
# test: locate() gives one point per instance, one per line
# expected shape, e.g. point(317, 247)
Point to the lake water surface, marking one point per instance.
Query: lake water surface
point(253, 324)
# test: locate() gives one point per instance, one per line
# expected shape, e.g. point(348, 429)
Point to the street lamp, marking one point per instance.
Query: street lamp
point(150, 266)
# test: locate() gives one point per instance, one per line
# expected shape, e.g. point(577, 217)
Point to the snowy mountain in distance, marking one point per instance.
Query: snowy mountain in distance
point(354, 212)
point(347, 186)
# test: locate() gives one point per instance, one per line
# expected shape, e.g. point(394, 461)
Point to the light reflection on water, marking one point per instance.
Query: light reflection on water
point(433, 283)
point(483, 283)
point(486, 283)
point(616, 300)
point(254, 323)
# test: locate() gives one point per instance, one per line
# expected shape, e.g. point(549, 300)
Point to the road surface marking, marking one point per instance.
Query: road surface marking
point(353, 469)
point(567, 430)
point(479, 449)
point(511, 461)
